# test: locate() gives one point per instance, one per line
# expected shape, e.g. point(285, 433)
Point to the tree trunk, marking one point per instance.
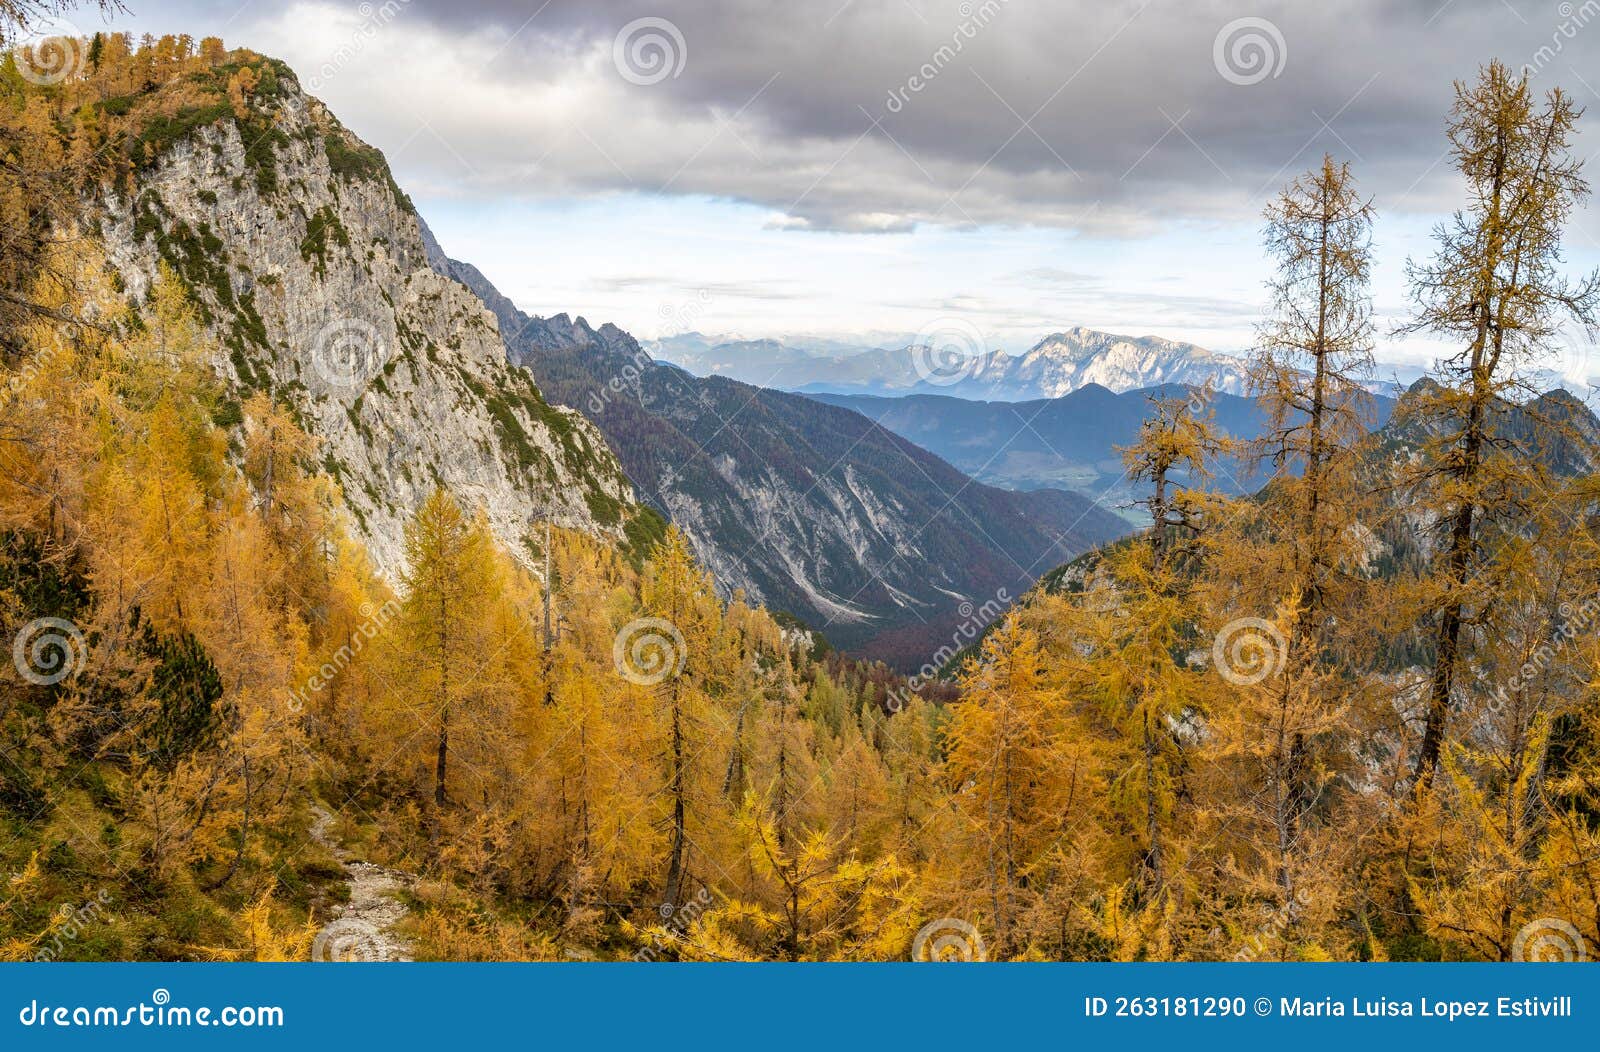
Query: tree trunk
point(674, 889)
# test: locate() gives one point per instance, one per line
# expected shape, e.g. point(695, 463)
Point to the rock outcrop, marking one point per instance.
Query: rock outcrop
point(310, 266)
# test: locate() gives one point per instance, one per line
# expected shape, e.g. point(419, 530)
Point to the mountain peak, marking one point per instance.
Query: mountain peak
point(321, 286)
point(1057, 364)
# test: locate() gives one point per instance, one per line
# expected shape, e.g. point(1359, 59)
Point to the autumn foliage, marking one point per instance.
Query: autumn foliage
point(668, 773)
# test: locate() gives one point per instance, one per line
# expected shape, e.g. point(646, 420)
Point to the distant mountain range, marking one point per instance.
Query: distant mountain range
point(1070, 442)
point(892, 365)
point(1057, 365)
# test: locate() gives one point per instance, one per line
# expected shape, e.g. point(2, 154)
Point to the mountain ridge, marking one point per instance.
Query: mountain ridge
point(1071, 442)
point(951, 361)
point(811, 509)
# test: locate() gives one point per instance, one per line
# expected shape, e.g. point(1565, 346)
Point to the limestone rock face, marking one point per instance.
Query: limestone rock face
point(310, 267)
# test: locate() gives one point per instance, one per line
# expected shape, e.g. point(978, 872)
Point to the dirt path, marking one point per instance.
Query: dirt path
point(362, 929)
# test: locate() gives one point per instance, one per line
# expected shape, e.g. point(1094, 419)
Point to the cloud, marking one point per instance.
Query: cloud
point(1112, 116)
point(676, 287)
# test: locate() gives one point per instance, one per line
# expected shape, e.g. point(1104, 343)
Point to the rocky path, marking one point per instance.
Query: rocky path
point(364, 928)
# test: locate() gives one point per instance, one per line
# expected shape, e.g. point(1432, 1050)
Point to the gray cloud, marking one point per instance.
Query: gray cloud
point(1108, 116)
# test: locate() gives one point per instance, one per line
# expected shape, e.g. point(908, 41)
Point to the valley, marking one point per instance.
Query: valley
point(362, 606)
point(812, 509)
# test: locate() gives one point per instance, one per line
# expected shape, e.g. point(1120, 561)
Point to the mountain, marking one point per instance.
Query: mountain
point(1400, 540)
point(1556, 428)
point(1066, 361)
point(1056, 365)
point(1071, 442)
point(781, 363)
point(808, 508)
point(311, 267)
point(764, 363)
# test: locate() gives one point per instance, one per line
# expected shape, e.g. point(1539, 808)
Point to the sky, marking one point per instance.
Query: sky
point(849, 167)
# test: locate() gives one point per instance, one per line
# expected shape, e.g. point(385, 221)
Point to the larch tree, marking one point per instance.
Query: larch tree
point(1140, 631)
point(678, 652)
point(1008, 782)
point(1494, 283)
point(1286, 576)
point(445, 596)
point(1507, 844)
point(40, 177)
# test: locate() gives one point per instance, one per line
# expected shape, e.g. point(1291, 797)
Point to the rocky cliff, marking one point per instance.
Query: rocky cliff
point(310, 266)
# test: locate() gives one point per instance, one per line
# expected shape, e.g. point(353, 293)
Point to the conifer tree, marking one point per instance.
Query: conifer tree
point(679, 656)
point(1287, 574)
point(1146, 681)
point(1005, 769)
point(446, 592)
point(1494, 284)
